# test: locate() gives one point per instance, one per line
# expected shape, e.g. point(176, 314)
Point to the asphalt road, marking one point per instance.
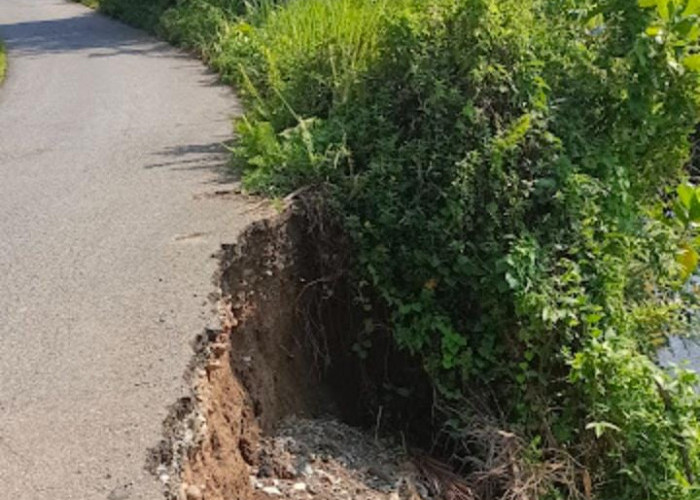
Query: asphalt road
point(110, 161)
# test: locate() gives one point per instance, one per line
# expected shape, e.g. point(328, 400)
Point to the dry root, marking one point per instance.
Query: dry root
point(494, 464)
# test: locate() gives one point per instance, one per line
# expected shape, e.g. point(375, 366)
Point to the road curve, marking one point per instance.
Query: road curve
point(110, 165)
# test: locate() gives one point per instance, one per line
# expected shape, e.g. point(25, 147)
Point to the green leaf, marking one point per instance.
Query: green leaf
point(653, 30)
point(694, 212)
point(692, 62)
point(693, 33)
point(684, 27)
point(594, 318)
point(681, 212)
point(600, 427)
point(692, 8)
point(688, 259)
point(686, 193)
point(647, 3)
point(595, 22)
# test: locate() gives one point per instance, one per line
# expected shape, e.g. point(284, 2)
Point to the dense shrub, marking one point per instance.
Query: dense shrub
point(142, 13)
point(503, 168)
point(507, 171)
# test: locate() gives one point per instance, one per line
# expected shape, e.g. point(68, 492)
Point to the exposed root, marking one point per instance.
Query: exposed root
point(495, 464)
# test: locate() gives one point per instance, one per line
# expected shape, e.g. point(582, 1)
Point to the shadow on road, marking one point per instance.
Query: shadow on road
point(213, 157)
point(90, 31)
point(97, 36)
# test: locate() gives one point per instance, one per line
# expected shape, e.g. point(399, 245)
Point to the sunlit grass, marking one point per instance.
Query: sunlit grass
point(3, 61)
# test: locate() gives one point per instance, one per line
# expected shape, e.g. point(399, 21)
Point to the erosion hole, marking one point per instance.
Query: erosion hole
point(288, 348)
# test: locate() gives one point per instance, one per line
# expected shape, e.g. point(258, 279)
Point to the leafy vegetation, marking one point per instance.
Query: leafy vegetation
point(508, 172)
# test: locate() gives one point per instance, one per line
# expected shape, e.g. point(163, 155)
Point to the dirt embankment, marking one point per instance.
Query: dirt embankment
point(262, 421)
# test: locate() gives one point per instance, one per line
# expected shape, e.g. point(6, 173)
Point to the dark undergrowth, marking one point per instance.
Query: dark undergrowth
point(507, 174)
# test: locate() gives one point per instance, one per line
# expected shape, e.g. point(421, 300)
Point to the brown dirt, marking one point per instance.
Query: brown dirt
point(253, 372)
point(251, 429)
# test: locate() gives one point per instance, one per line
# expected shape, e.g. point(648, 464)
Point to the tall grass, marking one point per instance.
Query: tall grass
point(344, 33)
point(306, 56)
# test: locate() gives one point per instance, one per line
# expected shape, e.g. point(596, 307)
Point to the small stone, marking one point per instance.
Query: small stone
point(307, 470)
point(272, 490)
point(193, 493)
point(299, 487)
point(187, 439)
point(289, 472)
point(328, 478)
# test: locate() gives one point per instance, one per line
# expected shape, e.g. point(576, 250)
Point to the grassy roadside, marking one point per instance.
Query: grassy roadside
point(3, 61)
point(507, 175)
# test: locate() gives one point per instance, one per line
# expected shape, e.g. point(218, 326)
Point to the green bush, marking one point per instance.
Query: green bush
point(141, 13)
point(503, 168)
point(507, 171)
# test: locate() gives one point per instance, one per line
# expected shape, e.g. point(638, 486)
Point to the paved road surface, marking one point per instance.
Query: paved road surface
point(109, 147)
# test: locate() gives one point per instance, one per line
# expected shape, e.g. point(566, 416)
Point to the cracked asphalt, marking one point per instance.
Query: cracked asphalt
point(111, 174)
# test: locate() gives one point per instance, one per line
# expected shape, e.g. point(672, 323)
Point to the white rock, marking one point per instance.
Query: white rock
point(299, 487)
point(272, 490)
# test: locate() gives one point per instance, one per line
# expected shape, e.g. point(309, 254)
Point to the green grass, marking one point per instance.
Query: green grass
point(3, 62)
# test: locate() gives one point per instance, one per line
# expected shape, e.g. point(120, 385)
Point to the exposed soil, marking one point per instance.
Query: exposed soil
point(261, 422)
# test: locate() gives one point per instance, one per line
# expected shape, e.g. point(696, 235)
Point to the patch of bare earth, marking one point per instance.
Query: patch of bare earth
point(259, 423)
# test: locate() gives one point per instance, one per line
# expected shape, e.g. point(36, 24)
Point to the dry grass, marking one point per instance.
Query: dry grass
point(488, 463)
